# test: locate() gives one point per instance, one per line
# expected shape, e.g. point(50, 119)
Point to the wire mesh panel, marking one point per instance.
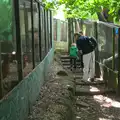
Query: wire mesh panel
point(81, 24)
point(8, 70)
point(36, 33)
point(73, 25)
point(60, 35)
point(55, 29)
point(77, 26)
point(63, 31)
point(26, 39)
point(105, 42)
point(88, 28)
point(48, 19)
point(108, 55)
point(42, 33)
point(116, 48)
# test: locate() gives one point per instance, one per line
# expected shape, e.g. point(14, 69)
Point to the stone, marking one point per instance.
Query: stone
point(91, 90)
point(62, 73)
point(81, 104)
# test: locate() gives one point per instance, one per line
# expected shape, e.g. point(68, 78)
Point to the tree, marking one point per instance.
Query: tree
point(104, 10)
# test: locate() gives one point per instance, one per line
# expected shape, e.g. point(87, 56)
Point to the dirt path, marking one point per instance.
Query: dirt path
point(97, 107)
point(56, 102)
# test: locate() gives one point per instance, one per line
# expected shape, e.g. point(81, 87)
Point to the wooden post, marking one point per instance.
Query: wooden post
point(113, 42)
point(45, 29)
point(118, 92)
point(97, 67)
point(33, 41)
point(51, 29)
point(18, 40)
point(40, 28)
point(69, 33)
point(26, 28)
point(1, 95)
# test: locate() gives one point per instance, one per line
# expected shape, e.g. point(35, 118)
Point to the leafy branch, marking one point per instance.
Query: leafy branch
point(87, 8)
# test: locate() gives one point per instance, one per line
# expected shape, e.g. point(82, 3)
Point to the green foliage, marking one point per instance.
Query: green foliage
point(115, 9)
point(86, 8)
point(5, 18)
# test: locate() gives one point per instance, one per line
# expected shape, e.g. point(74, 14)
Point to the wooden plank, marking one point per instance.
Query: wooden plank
point(82, 91)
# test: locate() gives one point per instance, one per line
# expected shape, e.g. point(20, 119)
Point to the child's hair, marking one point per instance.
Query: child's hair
point(81, 32)
point(73, 44)
point(76, 34)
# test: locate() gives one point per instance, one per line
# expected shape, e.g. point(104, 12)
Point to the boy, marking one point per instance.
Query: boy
point(73, 55)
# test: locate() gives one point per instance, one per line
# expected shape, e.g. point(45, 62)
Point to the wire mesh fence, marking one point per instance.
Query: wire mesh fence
point(25, 39)
point(60, 30)
point(107, 52)
point(60, 35)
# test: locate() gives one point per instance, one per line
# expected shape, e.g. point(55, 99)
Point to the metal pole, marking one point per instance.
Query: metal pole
point(13, 25)
point(48, 38)
point(51, 31)
point(18, 41)
point(45, 31)
point(32, 30)
point(39, 10)
point(97, 67)
point(118, 61)
point(72, 31)
point(1, 93)
point(113, 41)
point(69, 33)
point(26, 28)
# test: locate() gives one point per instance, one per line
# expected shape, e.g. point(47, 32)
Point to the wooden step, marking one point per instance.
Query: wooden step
point(69, 67)
point(90, 83)
point(68, 61)
point(65, 57)
point(87, 90)
point(69, 64)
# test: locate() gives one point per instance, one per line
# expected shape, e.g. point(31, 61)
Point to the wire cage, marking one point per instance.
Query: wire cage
point(25, 40)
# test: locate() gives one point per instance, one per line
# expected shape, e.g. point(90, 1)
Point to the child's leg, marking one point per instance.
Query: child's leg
point(81, 60)
point(75, 63)
point(71, 62)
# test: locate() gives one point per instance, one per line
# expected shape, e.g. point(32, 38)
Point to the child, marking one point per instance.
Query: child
point(73, 55)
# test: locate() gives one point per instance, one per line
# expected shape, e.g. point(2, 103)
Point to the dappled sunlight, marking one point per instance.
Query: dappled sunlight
point(106, 101)
point(77, 117)
point(104, 119)
point(94, 89)
point(60, 13)
point(56, 83)
point(99, 79)
point(103, 100)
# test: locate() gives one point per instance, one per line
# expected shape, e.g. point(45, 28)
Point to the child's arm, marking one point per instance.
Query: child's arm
point(79, 51)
